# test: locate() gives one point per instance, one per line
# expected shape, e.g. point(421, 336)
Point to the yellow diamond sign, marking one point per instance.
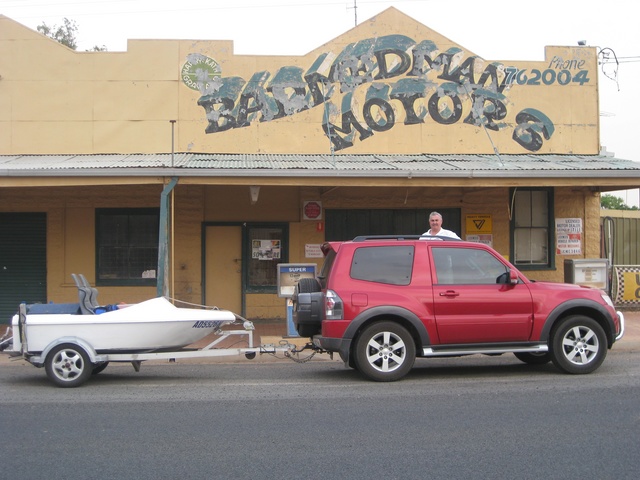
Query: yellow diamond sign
point(479, 224)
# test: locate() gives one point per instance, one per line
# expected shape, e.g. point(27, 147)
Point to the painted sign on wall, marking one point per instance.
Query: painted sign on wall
point(370, 84)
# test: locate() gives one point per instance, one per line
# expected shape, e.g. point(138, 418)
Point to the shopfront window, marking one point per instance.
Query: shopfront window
point(127, 246)
point(267, 248)
point(531, 226)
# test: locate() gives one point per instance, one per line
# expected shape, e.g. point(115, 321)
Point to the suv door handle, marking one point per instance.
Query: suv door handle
point(449, 293)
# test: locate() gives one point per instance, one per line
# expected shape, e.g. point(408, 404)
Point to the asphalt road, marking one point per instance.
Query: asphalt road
point(475, 417)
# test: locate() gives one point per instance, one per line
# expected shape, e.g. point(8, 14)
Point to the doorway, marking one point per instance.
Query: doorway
point(23, 261)
point(223, 267)
point(240, 265)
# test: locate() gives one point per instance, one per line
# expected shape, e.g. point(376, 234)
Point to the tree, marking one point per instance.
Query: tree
point(65, 34)
point(611, 202)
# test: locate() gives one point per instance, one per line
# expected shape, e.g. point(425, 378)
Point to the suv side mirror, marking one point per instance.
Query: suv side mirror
point(513, 277)
point(508, 278)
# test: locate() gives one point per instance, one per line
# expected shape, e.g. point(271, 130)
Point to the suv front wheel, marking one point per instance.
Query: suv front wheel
point(385, 352)
point(579, 345)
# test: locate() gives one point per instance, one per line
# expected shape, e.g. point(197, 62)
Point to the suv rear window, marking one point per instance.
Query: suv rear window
point(392, 265)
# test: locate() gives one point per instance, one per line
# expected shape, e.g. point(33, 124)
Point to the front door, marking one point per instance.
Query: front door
point(223, 267)
point(469, 303)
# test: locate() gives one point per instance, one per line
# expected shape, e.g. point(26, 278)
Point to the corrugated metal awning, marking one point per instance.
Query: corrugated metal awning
point(275, 165)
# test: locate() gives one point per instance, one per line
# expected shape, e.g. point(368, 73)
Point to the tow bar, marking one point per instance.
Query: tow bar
point(294, 353)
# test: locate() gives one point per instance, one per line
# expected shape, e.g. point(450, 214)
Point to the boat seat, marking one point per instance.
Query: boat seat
point(85, 294)
point(83, 283)
point(53, 308)
point(93, 299)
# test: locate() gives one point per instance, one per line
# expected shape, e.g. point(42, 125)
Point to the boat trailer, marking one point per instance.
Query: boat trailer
point(70, 361)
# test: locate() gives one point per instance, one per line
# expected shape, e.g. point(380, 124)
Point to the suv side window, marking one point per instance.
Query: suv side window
point(392, 265)
point(464, 266)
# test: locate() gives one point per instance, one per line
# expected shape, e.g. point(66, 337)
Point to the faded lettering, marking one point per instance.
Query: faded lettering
point(374, 83)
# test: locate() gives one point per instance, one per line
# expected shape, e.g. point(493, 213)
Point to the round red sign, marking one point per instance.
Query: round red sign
point(312, 210)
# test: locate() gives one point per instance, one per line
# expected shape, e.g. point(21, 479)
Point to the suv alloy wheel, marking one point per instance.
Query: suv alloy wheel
point(385, 352)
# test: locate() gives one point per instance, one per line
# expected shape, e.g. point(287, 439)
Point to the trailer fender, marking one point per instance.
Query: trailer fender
point(38, 360)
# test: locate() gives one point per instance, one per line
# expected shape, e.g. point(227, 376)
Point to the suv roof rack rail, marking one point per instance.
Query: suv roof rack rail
point(362, 238)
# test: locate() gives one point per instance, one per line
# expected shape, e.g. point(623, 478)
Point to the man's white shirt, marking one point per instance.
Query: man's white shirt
point(442, 233)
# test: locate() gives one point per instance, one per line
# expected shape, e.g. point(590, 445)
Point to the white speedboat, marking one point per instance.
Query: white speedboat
point(147, 326)
point(74, 341)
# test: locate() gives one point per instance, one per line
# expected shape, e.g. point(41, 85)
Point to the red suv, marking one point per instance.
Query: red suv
point(380, 302)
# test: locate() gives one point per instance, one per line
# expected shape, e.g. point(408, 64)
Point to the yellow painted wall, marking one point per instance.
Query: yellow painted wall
point(122, 102)
point(71, 233)
point(231, 203)
point(71, 227)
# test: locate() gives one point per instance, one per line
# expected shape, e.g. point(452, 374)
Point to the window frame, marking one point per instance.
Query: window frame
point(100, 212)
point(550, 236)
point(248, 287)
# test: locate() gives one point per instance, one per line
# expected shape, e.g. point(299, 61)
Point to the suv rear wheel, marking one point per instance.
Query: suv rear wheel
point(579, 345)
point(385, 352)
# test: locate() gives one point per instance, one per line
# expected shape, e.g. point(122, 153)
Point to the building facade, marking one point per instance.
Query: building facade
point(180, 168)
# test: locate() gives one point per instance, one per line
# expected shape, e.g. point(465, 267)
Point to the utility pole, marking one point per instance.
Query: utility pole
point(355, 12)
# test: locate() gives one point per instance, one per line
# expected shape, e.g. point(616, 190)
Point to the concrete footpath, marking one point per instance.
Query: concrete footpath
point(270, 332)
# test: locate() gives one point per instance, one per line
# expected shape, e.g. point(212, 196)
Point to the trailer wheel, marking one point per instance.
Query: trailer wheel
point(68, 366)
point(250, 355)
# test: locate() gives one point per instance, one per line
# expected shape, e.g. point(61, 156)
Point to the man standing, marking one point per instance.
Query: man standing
point(435, 222)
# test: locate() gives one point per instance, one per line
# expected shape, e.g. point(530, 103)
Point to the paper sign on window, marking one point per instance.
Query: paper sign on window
point(265, 249)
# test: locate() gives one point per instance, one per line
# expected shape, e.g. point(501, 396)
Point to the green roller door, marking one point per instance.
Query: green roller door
point(23, 261)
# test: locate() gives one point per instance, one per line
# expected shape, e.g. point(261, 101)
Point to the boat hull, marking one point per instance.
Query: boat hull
point(155, 324)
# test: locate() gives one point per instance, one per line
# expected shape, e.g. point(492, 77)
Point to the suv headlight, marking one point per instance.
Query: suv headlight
point(333, 306)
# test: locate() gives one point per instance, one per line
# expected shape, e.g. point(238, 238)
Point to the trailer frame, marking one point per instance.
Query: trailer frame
point(69, 361)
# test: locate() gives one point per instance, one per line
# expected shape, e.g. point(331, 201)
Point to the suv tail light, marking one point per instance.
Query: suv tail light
point(333, 306)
